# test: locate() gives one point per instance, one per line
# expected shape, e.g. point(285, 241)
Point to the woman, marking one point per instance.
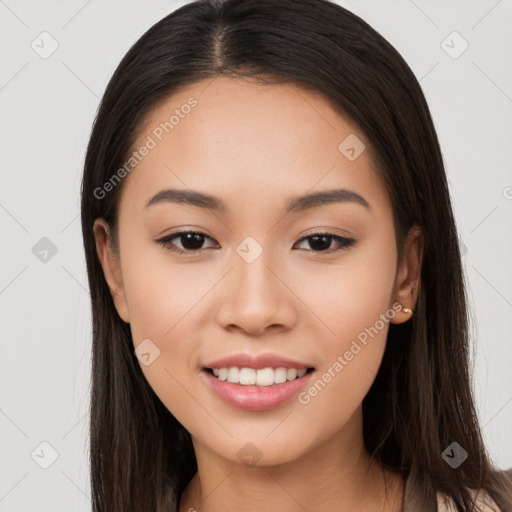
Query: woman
point(279, 312)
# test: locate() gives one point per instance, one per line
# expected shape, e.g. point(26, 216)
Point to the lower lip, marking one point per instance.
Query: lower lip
point(256, 398)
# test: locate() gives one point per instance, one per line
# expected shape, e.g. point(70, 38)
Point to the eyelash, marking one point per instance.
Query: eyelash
point(345, 243)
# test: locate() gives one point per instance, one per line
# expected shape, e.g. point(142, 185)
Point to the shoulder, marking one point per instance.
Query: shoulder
point(483, 503)
point(416, 500)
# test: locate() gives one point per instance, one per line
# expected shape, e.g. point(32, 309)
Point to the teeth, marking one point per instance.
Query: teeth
point(280, 375)
point(265, 377)
point(233, 375)
point(246, 376)
point(291, 373)
point(262, 377)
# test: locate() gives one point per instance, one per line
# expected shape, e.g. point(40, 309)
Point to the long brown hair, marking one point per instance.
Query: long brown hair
point(421, 401)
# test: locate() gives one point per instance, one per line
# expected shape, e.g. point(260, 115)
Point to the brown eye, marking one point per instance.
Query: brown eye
point(321, 242)
point(191, 241)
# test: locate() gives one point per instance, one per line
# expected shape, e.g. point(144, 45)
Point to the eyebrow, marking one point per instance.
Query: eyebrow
point(209, 202)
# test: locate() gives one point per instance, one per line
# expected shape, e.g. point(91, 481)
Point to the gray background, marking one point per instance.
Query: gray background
point(47, 108)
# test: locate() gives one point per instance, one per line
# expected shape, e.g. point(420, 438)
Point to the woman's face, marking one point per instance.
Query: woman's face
point(257, 281)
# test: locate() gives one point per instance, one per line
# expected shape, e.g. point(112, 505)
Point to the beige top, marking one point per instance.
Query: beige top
point(484, 503)
point(415, 500)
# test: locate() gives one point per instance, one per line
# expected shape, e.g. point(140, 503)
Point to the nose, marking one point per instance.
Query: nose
point(256, 297)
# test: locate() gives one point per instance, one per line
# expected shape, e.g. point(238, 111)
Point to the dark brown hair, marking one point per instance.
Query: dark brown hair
point(421, 401)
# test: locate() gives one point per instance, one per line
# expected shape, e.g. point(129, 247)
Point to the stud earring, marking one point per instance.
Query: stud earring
point(407, 310)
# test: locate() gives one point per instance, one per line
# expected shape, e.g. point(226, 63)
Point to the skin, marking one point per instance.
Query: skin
point(256, 146)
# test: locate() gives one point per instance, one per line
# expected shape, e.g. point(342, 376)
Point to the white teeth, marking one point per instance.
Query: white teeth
point(234, 375)
point(262, 377)
point(247, 376)
point(265, 377)
point(280, 375)
point(291, 373)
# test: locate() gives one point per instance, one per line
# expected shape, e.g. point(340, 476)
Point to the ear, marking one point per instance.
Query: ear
point(408, 276)
point(111, 267)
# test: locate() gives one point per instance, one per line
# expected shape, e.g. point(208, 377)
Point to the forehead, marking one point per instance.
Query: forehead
point(243, 139)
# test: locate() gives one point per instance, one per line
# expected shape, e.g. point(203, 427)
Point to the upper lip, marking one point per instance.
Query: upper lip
point(257, 362)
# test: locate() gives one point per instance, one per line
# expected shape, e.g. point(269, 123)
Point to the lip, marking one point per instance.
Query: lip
point(255, 398)
point(258, 362)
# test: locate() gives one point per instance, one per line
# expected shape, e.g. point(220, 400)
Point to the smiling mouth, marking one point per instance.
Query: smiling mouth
point(261, 377)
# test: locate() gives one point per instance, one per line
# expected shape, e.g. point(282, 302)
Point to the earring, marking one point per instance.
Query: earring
point(407, 310)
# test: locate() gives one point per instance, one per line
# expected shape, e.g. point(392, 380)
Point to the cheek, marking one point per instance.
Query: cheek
point(164, 297)
point(165, 302)
point(351, 302)
point(349, 295)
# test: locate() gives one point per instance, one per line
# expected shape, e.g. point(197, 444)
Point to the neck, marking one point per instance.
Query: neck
point(337, 474)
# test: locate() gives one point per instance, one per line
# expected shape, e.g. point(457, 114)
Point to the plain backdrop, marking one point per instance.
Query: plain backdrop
point(461, 51)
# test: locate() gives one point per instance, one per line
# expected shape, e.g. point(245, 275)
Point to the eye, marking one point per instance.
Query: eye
point(321, 242)
point(192, 242)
